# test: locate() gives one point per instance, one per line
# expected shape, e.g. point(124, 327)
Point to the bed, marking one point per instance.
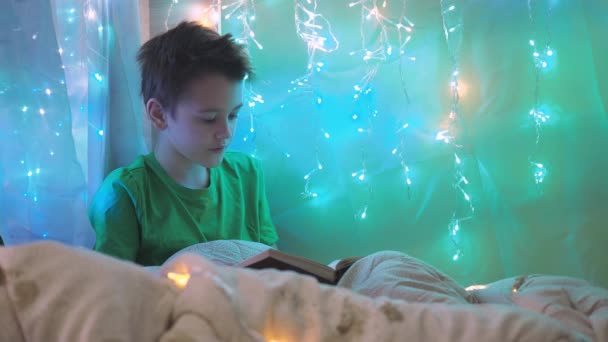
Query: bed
point(54, 292)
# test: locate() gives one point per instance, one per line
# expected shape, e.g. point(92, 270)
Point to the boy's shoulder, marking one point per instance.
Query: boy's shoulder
point(128, 174)
point(240, 161)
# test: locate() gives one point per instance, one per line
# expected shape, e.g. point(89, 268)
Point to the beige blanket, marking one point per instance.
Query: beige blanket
point(50, 292)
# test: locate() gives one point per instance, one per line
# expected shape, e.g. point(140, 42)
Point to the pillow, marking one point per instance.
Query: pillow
point(60, 293)
point(400, 276)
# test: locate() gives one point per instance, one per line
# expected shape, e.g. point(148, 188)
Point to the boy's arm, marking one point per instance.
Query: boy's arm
point(268, 232)
point(114, 220)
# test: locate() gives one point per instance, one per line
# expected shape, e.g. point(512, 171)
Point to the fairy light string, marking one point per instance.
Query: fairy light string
point(452, 27)
point(542, 56)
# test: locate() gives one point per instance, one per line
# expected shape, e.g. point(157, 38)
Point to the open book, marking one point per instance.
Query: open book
point(272, 258)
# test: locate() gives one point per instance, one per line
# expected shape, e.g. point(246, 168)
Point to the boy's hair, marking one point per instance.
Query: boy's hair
point(170, 61)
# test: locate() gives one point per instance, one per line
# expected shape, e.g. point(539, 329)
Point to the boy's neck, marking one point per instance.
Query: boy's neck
point(185, 172)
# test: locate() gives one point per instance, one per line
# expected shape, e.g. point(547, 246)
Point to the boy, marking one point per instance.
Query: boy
point(189, 190)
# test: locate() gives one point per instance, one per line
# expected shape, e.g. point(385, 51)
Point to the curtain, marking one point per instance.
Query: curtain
point(66, 65)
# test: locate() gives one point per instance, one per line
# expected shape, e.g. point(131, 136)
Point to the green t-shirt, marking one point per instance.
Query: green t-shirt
point(141, 214)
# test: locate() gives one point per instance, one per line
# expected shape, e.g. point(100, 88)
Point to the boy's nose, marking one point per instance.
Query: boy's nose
point(223, 130)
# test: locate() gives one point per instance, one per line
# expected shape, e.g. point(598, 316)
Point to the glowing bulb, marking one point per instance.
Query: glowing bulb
point(41, 111)
point(457, 159)
point(319, 100)
point(326, 135)
point(466, 196)
point(24, 109)
point(179, 279)
point(362, 177)
point(319, 166)
point(91, 15)
point(441, 136)
point(452, 8)
point(100, 132)
point(394, 151)
point(48, 91)
point(30, 173)
point(409, 181)
point(531, 42)
point(38, 171)
point(98, 77)
point(355, 116)
point(455, 257)
point(544, 64)
point(536, 54)
point(549, 52)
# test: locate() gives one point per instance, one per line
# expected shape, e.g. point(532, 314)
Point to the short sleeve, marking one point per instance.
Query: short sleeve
point(268, 232)
point(114, 219)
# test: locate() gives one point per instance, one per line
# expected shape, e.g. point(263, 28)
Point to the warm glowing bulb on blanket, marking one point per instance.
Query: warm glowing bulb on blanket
point(180, 279)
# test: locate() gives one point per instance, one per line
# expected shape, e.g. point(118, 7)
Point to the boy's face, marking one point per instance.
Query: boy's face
point(204, 119)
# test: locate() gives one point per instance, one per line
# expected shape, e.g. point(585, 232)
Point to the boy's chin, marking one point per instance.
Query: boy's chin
point(211, 162)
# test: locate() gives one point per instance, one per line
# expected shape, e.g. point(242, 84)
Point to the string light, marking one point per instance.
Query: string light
point(208, 15)
point(451, 16)
point(374, 19)
point(538, 115)
point(316, 32)
point(244, 11)
point(179, 279)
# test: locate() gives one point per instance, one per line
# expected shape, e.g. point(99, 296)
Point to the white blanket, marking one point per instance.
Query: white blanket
point(51, 292)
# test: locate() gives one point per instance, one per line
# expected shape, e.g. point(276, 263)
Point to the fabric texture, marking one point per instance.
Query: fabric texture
point(56, 293)
point(141, 214)
point(397, 275)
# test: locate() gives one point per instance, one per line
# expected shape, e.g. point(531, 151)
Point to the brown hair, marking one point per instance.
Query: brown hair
point(171, 60)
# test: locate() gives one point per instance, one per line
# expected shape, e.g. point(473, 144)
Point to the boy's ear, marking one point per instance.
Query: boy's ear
point(156, 113)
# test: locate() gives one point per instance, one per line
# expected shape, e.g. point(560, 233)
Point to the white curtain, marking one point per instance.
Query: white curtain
point(66, 65)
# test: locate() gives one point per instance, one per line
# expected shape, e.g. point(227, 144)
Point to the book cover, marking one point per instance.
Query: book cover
point(275, 259)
